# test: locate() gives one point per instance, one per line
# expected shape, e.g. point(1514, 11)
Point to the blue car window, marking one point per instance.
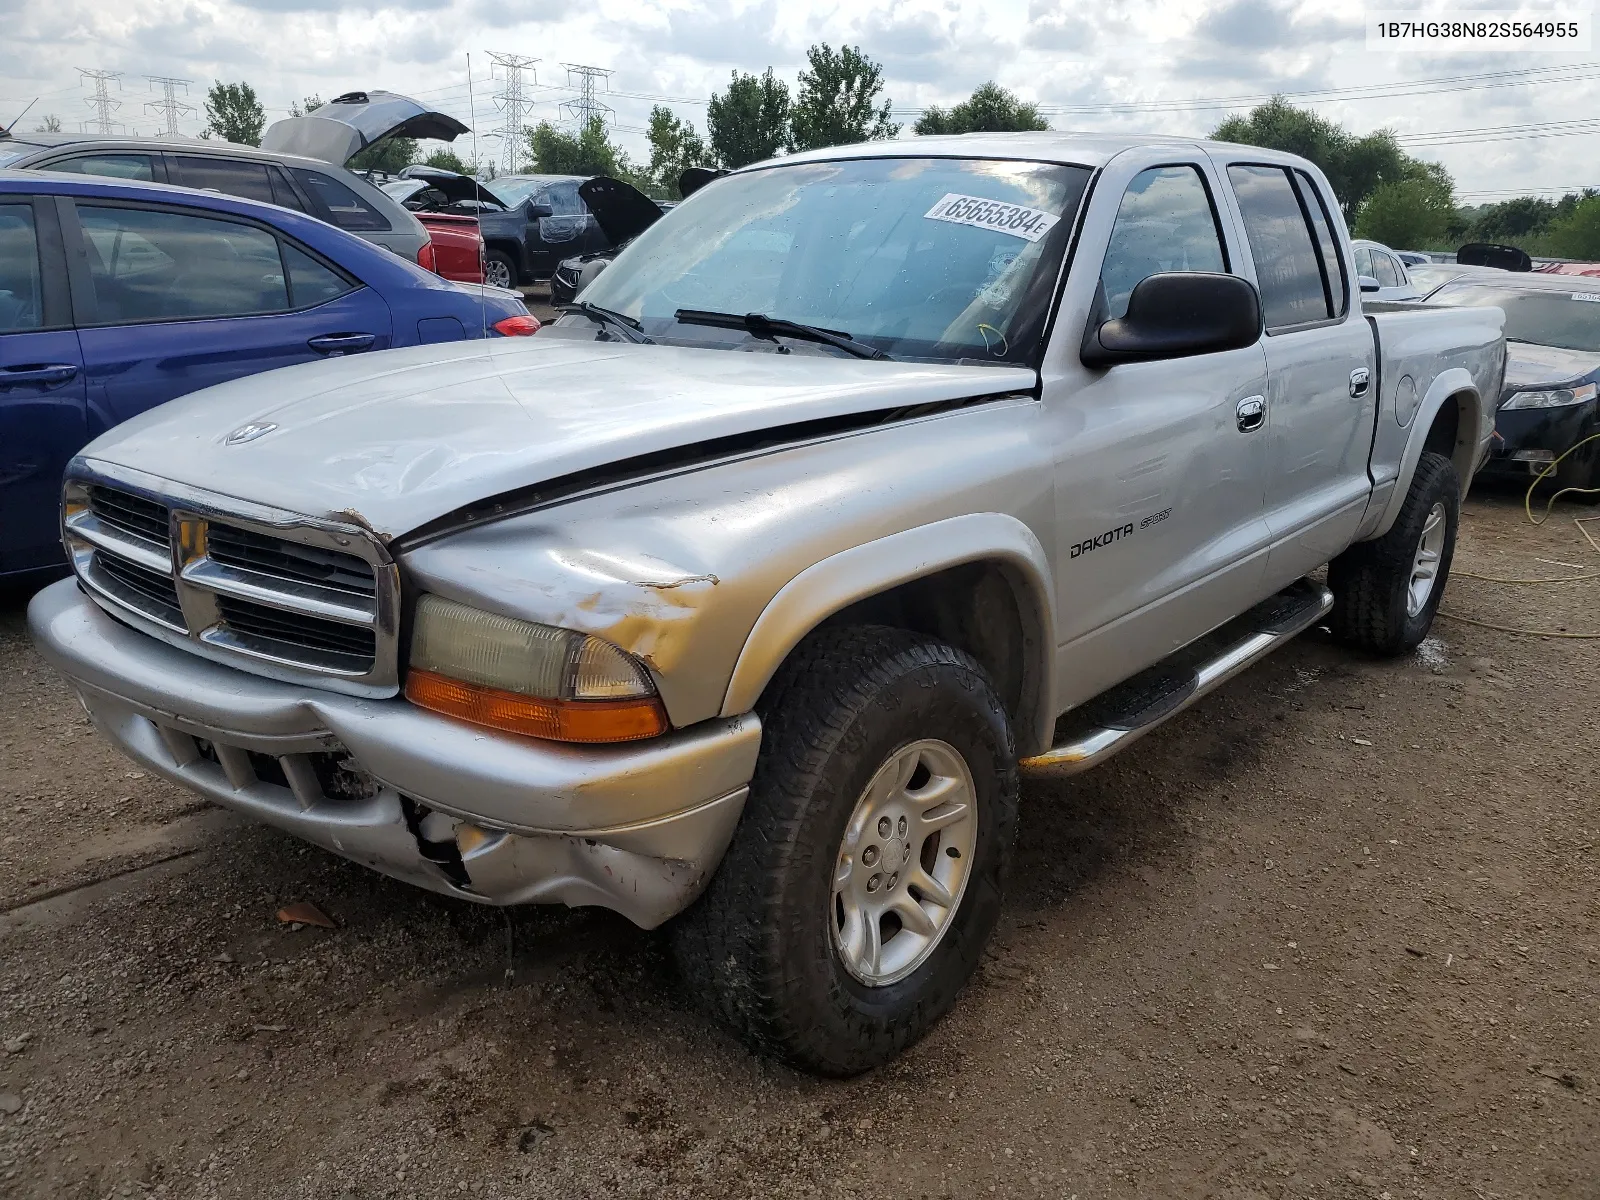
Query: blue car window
point(309, 281)
point(152, 265)
point(344, 208)
point(114, 166)
point(20, 306)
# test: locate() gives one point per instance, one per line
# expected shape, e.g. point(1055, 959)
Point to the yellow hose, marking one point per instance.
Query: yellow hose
point(1527, 507)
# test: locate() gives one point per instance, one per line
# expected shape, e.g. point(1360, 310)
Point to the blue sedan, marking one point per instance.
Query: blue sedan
point(116, 296)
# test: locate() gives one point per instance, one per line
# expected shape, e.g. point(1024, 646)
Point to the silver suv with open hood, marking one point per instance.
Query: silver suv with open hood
point(300, 163)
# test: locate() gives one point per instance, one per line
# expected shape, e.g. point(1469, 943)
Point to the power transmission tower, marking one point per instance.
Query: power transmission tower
point(586, 108)
point(511, 103)
point(169, 105)
point(103, 102)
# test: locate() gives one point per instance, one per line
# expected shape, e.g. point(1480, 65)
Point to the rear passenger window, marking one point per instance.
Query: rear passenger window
point(151, 265)
point(21, 306)
point(1165, 223)
point(310, 282)
point(342, 206)
point(229, 176)
point(1327, 245)
point(1288, 267)
point(283, 193)
point(114, 166)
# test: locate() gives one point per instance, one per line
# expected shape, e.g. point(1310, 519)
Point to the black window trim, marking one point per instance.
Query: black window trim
point(55, 302)
point(85, 306)
point(1298, 326)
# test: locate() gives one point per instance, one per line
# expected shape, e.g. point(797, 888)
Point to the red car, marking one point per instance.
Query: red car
point(448, 204)
point(455, 247)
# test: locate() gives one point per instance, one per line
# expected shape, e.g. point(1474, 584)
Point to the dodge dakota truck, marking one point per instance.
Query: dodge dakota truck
point(741, 597)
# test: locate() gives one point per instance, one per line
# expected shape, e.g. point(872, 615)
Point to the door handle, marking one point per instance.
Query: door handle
point(1251, 413)
point(342, 343)
point(1360, 379)
point(47, 373)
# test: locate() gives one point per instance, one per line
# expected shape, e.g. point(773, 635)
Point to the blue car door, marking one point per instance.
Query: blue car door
point(171, 300)
point(42, 417)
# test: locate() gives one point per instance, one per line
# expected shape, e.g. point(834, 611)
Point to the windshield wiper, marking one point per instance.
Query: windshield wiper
point(772, 328)
point(630, 329)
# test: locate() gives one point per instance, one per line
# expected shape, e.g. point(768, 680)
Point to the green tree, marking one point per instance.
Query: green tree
point(390, 156)
point(309, 105)
point(234, 114)
point(838, 100)
point(587, 152)
point(1355, 166)
point(49, 123)
point(1408, 214)
point(449, 160)
point(1577, 234)
point(674, 146)
point(750, 121)
point(990, 109)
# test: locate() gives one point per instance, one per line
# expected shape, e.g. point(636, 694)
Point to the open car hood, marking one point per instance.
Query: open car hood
point(348, 124)
point(456, 188)
point(621, 210)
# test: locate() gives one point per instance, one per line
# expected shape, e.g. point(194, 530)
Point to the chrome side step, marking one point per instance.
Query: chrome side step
point(1122, 715)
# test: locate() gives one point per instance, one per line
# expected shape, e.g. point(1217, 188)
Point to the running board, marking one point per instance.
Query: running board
point(1120, 716)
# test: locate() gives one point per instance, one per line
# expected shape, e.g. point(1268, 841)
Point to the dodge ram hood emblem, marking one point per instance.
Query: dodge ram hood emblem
point(248, 433)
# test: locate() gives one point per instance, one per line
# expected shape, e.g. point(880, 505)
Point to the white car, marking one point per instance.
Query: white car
point(1376, 263)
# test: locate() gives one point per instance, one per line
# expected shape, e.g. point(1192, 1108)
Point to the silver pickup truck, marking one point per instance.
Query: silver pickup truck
point(861, 484)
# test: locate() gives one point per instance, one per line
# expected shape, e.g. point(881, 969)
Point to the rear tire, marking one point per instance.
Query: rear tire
point(498, 267)
point(1386, 592)
point(778, 947)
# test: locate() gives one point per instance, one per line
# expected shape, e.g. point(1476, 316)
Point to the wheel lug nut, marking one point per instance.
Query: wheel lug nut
point(885, 827)
point(893, 879)
point(906, 857)
point(869, 855)
point(902, 827)
point(872, 884)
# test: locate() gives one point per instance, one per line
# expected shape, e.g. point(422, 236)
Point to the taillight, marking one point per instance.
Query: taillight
point(519, 326)
point(427, 260)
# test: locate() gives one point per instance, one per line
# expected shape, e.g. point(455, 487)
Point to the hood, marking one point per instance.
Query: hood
point(695, 178)
point(621, 210)
point(401, 438)
point(456, 188)
point(1527, 364)
point(348, 124)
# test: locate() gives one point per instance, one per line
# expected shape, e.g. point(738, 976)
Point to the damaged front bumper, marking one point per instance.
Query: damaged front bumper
point(638, 828)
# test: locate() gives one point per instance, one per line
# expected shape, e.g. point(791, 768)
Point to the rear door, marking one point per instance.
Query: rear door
point(1321, 368)
point(42, 414)
point(170, 300)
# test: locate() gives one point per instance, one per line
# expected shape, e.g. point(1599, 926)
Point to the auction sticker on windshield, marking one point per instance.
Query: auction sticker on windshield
point(1030, 224)
point(1591, 297)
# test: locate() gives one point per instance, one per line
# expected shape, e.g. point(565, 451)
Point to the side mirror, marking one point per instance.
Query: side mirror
point(535, 211)
point(1368, 283)
point(1176, 314)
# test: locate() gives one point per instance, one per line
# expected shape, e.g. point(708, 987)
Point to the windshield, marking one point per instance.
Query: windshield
point(932, 258)
point(1570, 320)
point(514, 190)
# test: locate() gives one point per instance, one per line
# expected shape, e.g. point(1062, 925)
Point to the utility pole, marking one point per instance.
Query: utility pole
point(169, 105)
point(102, 101)
point(586, 108)
point(511, 103)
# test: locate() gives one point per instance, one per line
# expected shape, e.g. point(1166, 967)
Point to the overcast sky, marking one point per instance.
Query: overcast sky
point(1078, 56)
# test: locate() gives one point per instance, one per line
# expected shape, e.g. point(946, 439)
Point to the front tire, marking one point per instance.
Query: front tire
point(866, 873)
point(499, 271)
point(1386, 591)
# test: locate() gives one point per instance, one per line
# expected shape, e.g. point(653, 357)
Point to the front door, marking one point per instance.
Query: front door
point(1159, 489)
point(1321, 369)
point(178, 300)
point(42, 419)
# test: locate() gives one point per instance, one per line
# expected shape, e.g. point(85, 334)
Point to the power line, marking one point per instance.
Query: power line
point(169, 105)
point(509, 100)
point(586, 107)
point(102, 101)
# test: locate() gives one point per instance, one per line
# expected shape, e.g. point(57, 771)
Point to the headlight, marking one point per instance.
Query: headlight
point(524, 678)
point(1552, 397)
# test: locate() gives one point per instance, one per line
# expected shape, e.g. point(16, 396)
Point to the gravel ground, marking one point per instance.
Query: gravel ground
point(1331, 934)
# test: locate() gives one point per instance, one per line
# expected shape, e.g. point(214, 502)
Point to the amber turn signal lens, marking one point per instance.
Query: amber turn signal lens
point(531, 716)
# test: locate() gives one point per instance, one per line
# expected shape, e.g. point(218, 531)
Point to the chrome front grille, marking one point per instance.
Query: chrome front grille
point(276, 593)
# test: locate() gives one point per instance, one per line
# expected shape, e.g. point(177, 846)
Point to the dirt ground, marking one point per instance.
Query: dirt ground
point(1331, 934)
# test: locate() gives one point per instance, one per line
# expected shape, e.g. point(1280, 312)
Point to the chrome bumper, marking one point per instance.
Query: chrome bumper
point(638, 828)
